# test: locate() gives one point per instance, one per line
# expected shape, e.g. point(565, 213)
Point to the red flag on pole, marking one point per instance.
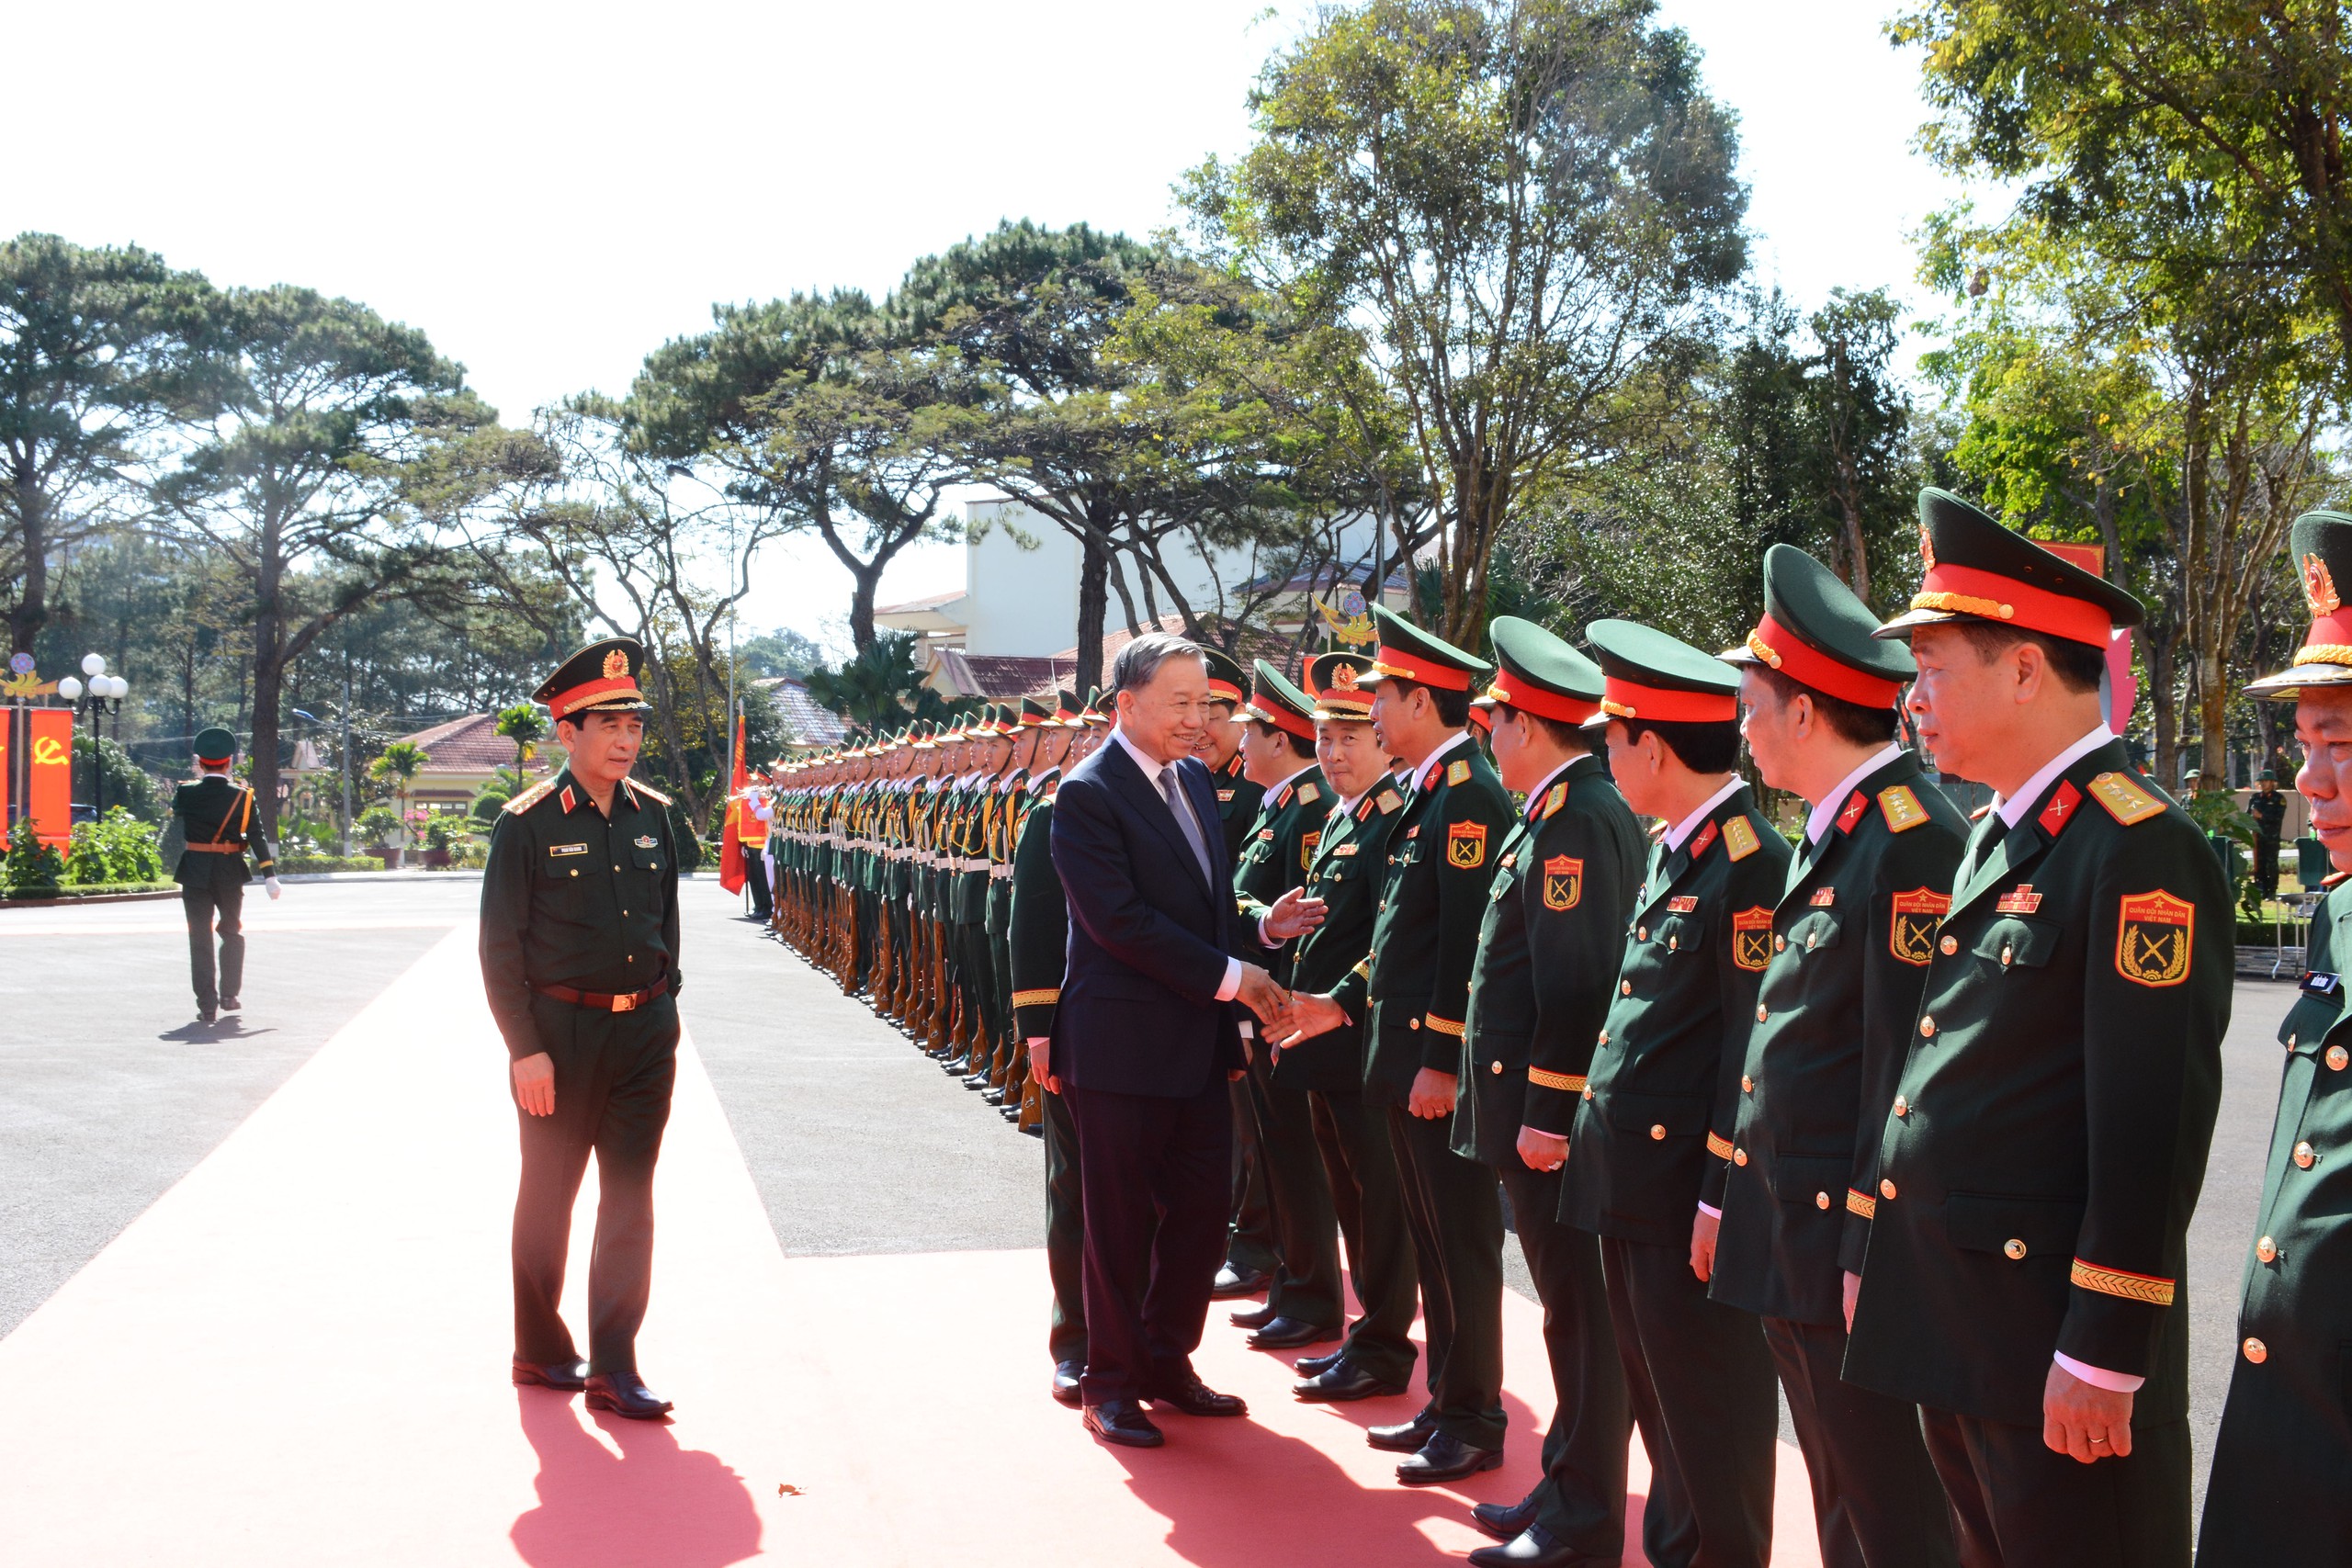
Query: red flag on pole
point(731, 875)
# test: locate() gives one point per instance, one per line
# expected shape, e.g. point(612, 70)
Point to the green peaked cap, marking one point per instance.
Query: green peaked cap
point(1411, 654)
point(1660, 679)
point(1537, 669)
point(1226, 679)
point(2321, 549)
point(214, 744)
point(1276, 702)
point(1979, 571)
point(1816, 632)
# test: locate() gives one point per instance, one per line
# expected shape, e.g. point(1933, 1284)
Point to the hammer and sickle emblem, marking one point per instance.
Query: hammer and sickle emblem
point(47, 750)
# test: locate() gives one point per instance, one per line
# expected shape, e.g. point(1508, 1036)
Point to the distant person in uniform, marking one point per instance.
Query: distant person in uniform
point(580, 959)
point(2267, 807)
point(220, 822)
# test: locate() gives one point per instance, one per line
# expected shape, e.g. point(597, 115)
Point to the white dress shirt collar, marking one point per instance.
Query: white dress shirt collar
point(2013, 810)
point(1689, 825)
point(1825, 809)
point(1143, 759)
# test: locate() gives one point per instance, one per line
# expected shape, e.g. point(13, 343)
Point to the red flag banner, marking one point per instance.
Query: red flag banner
point(48, 778)
point(730, 845)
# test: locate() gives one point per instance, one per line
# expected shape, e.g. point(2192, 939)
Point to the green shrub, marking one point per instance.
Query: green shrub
point(31, 867)
point(378, 825)
point(288, 865)
point(491, 802)
point(117, 848)
point(446, 830)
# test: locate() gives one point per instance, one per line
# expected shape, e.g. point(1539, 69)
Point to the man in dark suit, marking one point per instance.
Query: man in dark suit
point(1145, 1040)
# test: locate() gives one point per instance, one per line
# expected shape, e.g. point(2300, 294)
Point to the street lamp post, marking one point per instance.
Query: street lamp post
point(103, 694)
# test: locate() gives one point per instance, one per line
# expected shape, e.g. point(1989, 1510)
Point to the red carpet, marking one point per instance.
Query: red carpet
point(297, 1357)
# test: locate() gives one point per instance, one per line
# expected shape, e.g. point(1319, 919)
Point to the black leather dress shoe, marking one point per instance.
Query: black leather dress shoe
point(1313, 1366)
point(569, 1376)
point(1446, 1458)
point(1342, 1382)
point(1010, 1112)
point(1122, 1421)
point(1404, 1437)
point(1197, 1398)
point(1066, 1376)
point(1289, 1334)
point(204, 1015)
point(1232, 1280)
point(1505, 1521)
point(1532, 1548)
point(978, 1080)
point(1255, 1318)
point(625, 1394)
point(231, 1004)
point(1035, 1130)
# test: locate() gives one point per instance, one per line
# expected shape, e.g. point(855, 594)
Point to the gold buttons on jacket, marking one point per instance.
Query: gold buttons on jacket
point(1760, 1013)
point(1412, 1023)
point(1658, 1132)
point(1674, 944)
point(1927, 1028)
point(2303, 1155)
point(1640, 933)
point(1739, 1156)
point(1810, 938)
point(2267, 1249)
point(1624, 987)
point(1779, 943)
point(1886, 1190)
point(2337, 1059)
point(1950, 945)
point(1498, 1068)
point(2256, 1350)
point(1747, 1084)
point(1821, 1200)
point(2013, 1249)
point(1587, 1094)
point(1902, 1106)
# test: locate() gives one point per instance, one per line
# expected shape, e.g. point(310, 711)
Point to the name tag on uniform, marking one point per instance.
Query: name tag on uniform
point(1345, 848)
point(1823, 898)
point(646, 842)
point(567, 848)
point(1682, 904)
point(1265, 834)
point(2019, 900)
point(2320, 984)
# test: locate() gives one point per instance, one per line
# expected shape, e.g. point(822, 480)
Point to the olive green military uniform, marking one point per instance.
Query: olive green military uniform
point(1413, 991)
point(1851, 936)
point(2034, 1174)
point(580, 959)
point(1037, 946)
point(2280, 1491)
point(1646, 1150)
point(222, 827)
point(1251, 1245)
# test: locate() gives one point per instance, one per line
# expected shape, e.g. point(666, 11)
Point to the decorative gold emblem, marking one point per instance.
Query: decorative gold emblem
point(1563, 882)
point(1465, 845)
point(1912, 936)
point(2319, 587)
point(1343, 679)
point(615, 665)
point(1751, 938)
point(1927, 547)
point(2152, 938)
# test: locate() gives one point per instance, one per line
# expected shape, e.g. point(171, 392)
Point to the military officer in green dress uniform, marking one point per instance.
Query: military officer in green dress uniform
point(1852, 931)
point(2038, 1164)
point(1549, 949)
point(2277, 1492)
point(580, 958)
point(1346, 876)
point(1305, 1302)
point(1647, 1148)
point(1413, 993)
point(215, 824)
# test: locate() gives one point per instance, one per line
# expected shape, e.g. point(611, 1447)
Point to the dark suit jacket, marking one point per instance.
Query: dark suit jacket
point(1149, 936)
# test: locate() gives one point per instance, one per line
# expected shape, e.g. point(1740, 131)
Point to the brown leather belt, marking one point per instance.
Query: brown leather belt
point(606, 1001)
point(235, 849)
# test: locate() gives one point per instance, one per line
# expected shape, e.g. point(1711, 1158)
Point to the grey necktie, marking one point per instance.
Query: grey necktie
point(1172, 789)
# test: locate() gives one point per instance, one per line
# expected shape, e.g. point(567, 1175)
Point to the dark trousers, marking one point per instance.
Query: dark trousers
point(612, 1078)
point(1580, 1500)
point(1455, 1213)
point(1876, 1501)
point(1700, 1381)
point(2018, 1505)
point(972, 983)
point(1250, 1241)
point(223, 896)
point(755, 878)
point(1065, 1233)
point(1298, 1201)
point(1359, 1169)
point(1152, 1175)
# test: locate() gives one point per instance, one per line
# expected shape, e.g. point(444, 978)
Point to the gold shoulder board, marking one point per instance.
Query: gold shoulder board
point(1740, 839)
point(1456, 772)
point(531, 796)
point(2125, 801)
point(643, 788)
point(1308, 793)
point(1554, 798)
point(1389, 800)
point(1901, 808)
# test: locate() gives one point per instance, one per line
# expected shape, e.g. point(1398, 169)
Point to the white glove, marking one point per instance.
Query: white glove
point(271, 882)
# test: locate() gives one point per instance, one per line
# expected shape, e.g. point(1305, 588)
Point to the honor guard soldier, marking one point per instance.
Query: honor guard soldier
point(2038, 1164)
point(1305, 1304)
point(1324, 1051)
point(1852, 931)
point(1549, 949)
point(2276, 1493)
point(2267, 807)
point(1648, 1149)
point(580, 959)
point(1413, 990)
point(214, 820)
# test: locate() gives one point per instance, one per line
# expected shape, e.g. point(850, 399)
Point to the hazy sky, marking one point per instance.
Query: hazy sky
point(550, 191)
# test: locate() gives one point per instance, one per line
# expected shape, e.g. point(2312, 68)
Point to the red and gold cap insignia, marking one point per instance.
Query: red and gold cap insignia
point(2319, 587)
point(615, 665)
point(1927, 547)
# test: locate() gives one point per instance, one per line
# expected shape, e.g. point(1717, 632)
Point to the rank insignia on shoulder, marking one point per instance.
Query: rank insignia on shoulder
point(1306, 850)
point(2054, 817)
point(1740, 839)
point(2152, 940)
point(567, 848)
point(1554, 798)
point(1308, 795)
point(1465, 843)
point(1457, 771)
point(645, 841)
point(2124, 800)
point(2018, 900)
point(1389, 800)
point(1852, 812)
point(1563, 883)
point(1911, 935)
point(1823, 898)
point(1751, 937)
point(530, 797)
point(1901, 808)
point(1706, 837)
point(1682, 904)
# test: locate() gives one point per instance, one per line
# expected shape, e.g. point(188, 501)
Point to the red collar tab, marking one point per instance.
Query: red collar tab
point(1706, 836)
point(2061, 810)
point(1852, 813)
point(568, 799)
